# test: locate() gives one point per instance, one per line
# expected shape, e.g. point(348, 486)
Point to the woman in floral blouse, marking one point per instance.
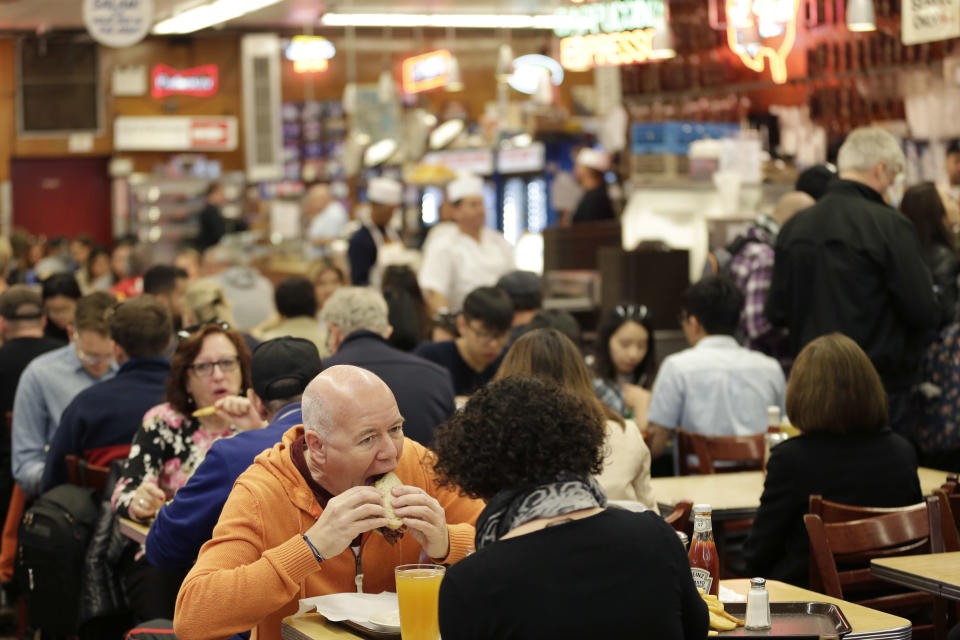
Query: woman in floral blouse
point(210, 368)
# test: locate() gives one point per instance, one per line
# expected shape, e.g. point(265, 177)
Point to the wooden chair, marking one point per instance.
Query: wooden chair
point(679, 518)
point(843, 540)
point(84, 474)
point(950, 512)
point(742, 453)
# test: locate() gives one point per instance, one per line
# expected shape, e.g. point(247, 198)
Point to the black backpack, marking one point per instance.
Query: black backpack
point(52, 541)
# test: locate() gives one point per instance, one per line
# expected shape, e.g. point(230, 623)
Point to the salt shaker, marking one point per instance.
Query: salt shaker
point(758, 606)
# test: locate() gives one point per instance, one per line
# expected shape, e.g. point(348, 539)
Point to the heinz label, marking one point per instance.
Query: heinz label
point(702, 579)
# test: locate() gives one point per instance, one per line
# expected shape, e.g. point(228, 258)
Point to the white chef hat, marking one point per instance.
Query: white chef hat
point(385, 191)
point(464, 186)
point(593, 159)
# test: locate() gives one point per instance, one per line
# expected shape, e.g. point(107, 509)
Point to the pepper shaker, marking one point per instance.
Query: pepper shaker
point(758, 606)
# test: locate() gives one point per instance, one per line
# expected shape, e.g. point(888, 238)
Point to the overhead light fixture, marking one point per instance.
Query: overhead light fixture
point(860, 16)
point(455, 20)
point(446, 133)
point(208, 15)
point(380, 152)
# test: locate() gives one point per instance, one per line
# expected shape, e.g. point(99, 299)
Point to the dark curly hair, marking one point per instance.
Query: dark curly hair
point(516, 433)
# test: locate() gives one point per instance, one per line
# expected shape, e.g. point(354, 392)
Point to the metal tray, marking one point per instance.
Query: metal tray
point(367, 632)
point(795, 619)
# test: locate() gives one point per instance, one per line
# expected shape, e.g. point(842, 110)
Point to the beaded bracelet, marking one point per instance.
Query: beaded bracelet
point(316, 554)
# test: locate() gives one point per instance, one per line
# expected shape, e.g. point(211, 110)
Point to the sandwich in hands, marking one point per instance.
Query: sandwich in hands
point(394, 529)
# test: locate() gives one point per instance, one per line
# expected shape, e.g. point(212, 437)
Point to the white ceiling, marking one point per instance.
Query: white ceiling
point(67, 14)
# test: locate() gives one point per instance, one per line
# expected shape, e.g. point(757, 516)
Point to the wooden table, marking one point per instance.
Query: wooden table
point(936, 573)
point(737, 495)
point(866, 623)
point(134, 530)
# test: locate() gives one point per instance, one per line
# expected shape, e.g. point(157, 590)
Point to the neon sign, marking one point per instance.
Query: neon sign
point(527, 72)
point(201, 82)
point(752, 29)
point(579, 53)
point(310, 54)
point(427, 71)
point(610, 17)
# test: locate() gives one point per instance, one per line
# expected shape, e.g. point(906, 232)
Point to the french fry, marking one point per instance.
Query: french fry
point(205, 411)
point(720, 623)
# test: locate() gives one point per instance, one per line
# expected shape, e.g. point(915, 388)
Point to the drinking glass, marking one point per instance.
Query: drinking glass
point(418, 590)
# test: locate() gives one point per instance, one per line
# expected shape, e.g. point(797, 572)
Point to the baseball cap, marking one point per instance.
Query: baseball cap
point(20, 302)
point(815, 180)
point(283, 367)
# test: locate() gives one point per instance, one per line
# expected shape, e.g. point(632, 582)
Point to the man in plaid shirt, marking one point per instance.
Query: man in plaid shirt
point(751, 269)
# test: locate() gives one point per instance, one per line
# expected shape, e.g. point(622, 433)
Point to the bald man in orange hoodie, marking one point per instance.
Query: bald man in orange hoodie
point(300, 521)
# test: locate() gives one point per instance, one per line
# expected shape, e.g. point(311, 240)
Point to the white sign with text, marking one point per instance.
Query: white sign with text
point(118, 23)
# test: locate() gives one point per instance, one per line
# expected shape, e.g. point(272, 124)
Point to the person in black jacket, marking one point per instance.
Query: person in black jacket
point(851, 263)
point(213, 226)
point(356, 318)
point(589, 170)
point(846, 454)
point(546, 539)
point(925, 208)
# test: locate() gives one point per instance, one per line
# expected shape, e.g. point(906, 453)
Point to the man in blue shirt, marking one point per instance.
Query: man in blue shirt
point(716, 387)
point(51, 381)
point(281, 369)
point(100, 423)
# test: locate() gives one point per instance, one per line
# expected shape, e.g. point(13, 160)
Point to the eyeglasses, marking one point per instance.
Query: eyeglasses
point(486, 336)
point(205, 369)
point(91, 359)
point(186, 332)
point(637, 312)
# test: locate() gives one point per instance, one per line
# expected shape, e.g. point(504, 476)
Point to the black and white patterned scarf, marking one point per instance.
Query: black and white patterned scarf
point(511, 508)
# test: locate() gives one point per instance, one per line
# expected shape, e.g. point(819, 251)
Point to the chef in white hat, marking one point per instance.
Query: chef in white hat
point(589, 170)
point(372, 241)
point(473, 257)
point(326, 218)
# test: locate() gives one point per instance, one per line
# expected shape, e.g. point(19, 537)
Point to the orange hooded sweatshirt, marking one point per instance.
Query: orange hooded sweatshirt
point(257, 566)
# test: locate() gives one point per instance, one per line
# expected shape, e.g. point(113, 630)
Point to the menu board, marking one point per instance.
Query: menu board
point(314, 134)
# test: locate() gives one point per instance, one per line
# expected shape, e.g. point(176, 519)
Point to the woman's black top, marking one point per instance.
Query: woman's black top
point(617, 574)
point(875, 469)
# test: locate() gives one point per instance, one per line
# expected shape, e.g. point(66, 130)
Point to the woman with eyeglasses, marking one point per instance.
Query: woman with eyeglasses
point(625, 363)
point(209, 370)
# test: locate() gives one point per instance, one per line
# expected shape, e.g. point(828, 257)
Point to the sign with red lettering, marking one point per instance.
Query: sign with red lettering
point(175, 133)
point(427, 71)
point(201, 82)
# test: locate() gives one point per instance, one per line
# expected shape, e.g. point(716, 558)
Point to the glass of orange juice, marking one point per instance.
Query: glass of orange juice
point(418, 590)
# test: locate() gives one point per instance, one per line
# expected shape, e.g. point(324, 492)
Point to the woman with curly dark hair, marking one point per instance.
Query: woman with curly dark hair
point(529, 448)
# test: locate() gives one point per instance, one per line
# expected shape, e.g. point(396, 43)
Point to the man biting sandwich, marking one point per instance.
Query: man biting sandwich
point(300, 521)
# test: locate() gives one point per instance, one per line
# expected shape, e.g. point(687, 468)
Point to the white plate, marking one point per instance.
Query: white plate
point(387, 620)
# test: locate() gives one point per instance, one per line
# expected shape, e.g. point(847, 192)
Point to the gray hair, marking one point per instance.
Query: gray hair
point(317, 416)
point(354, 308)
point(865, 147)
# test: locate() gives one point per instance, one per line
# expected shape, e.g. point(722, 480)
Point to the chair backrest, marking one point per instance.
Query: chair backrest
point(950, 513)
point(852, 543)
point(742, 452)
point(679, 518)
point(84, 474)
point(951, 485)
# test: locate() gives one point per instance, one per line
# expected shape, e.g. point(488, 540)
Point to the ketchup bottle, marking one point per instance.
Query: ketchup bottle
point(704, 560)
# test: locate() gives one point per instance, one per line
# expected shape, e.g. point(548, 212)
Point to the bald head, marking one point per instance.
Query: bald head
point(790, 204)
point(317, 198)
point(338, 394)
